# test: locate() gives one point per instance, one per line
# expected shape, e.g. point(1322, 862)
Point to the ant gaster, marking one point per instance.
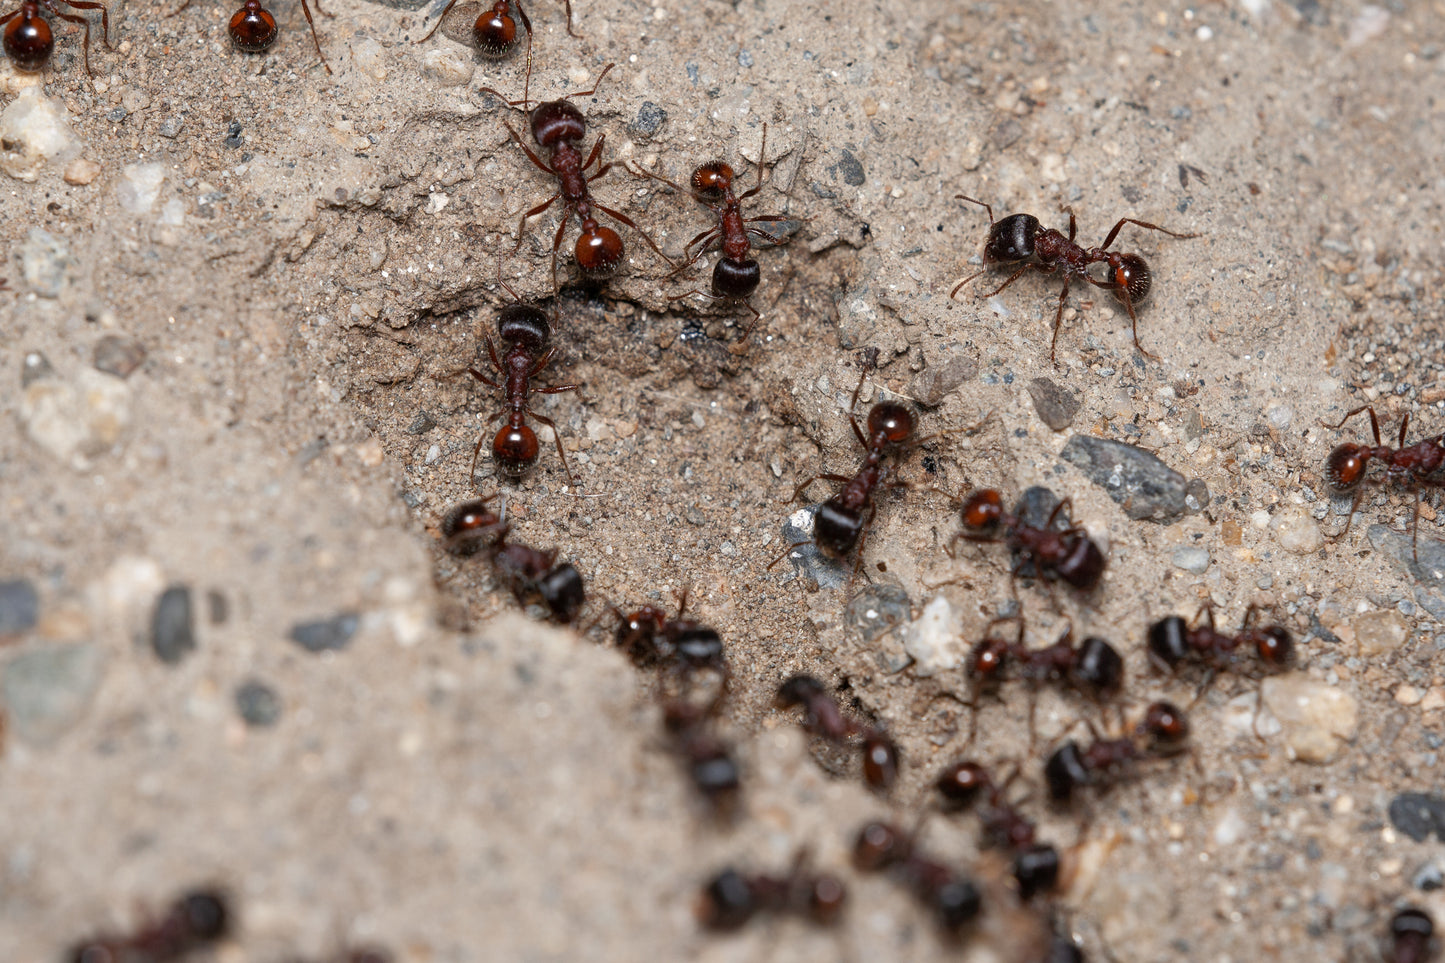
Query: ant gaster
point(535, 576)
point(1036, 864)
point(823, 717)
point(954, 898)
point(1162, 732)
point(254, 30)
point(732, 898)
point(29, 41)
point(1411, 937)
point(494, 32)
point(1069, 554)
point(197, 919)
point(558, 128)
point(1171, 641)
point(1020, 237)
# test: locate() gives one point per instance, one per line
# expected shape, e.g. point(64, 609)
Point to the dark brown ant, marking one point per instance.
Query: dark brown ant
point(1036, 865)
point(524, 331)
point(954, 899)
point(1068, 553)
point(1162, 732)
point(732, 898)
point(650, 638)
point(28, 38)
point(708, 757)
point(736, 275)
point(1346, 470)
point(472, 527)
point(823, 717)
point(254, 30)
point(1020, 237)
point(535, 576)
point(1411, 937)
point(1171, 641)
point(558, 128)
point(197, 919)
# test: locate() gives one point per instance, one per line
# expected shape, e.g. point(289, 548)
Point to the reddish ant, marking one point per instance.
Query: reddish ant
point(494, 32)
point(731, 898)
point(254, 30)
point(30, 42)
point(471, 527)
point(708, 757)
point(197, 919)
point(1171, 641)
point(1019, 237)
point(954, 898)
point(1068, 553)
point(1411, 937)
point(535, 576)
point(649, 637)
point(1161, 732)
point(736, 275)
point(558, 128)
point(1347, 467)
point(1036, 865)
point(824, 718)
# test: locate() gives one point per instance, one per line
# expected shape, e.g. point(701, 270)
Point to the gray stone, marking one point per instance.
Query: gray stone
point(170, 128)
point(1418, 814)
point(649, 120)
point(807, 561)
point(173, 628)
point(1423, 558)
point(1144, 486)
point(324, 634)
point(1315, 717)
point(118, 355)
point(45, 263)
point(1191, 559)
point(258, 704)
point(878, 609)
point(851, 169)
point(1055, 404)
point(19, 607)
point(1299, 533)
point(941, 378)
point(47, 689)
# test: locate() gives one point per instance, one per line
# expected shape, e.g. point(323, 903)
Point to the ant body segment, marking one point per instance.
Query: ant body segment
point(29, 41)
point(197, 919)
point(1020, 237)
point(253, 29)
point(954, 899)
point(1171, 641)
point(1068, 554)
point(1346, 470)
point(1071, 767)
point(823, 717)
point(494, 31)
point(1411, 937)
point(730, 899)
point(1036, 865)
point(472, 527)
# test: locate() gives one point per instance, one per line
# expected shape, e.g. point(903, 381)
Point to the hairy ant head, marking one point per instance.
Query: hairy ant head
point(1036, 870)
point(525, 325)
point(1099, 667)
point(1064, 771)
point(957, 903)
point(470, 527)
point(28, 39)
point(963, 782)
point(1169, 640)
point(252, 29)
point(637, 633)
point(735, 279)
point(1275, 646)
point(562, 592)
point(835, 529)
point(825, 899)
point(1345, 468)
point(598, 252)
point(1083, 564)
point(798, 690)
point(880, 760)
point(712, 181)
point(1131, 273)
point(726, 902)
point(879, 846)
point(514, 450)
point(495, 33)
point(1166, 725)
point(1012, 239)
point(893, 421)
point(983, 509)
point(556, 122)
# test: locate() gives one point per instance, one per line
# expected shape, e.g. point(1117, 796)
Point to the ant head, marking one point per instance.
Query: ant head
point(825, 899)
point(495, 34)
point(1099, 666)
point(598, 252)
point(726, 902)
point(987, 660)
point(735, 279)
point(562, 592)
point(1169, 640)
point(1065, 770)
point(963, 782)
point(798, 690)
point(1345, 468)
point(525, 325)
point(1036, 869)
point(880, 760)
point(470, 527)
point(204, 914)
point(1012, 239)
point(1083, 565)
point(640, 626)
point(1275, 646)
point(983, 509)
point(893, 421)
point(712, 181)
point(29, 40)
point(1166, 725)
point(1130, 272)
point(836, 530)
point(252, 29)
point(880, 845)
point(514, 449)
point(556, 122)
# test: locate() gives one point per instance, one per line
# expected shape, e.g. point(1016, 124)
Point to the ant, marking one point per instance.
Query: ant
point(558, 128)
point(736, 275)
point(472, 527)
point(1036, 865)
point(524, 331)
point(1164, 730)
point(1411, 937)
point(494, 32)
point(649, 637)
point(1068, 553)
point(1171, 641)
point(1019, 237)
point(708, 757)
point(823, 717)
point(731, 898)
point(1346, 468)
point(253, 29)
point(535, 576)
point(29, 41)
point(196, 919)
point(954, 899)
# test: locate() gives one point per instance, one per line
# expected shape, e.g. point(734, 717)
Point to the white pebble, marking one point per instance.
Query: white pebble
point(447, 67)
point(1316, 718)
point(34, 132)
point(933, 640)
point(139, 186)
point(1299, 533)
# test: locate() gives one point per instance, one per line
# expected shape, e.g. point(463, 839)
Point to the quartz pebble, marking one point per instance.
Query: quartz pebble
point(46, 690)
point(81, 418)
point(45, 263)
point(81, 172)
point(447, 67)
point(34, 132)
point(951, 368)
point(1315, 718)
point(1299, 533)
point(1379, 633)
point(933, 640)
point(118, 355)
point(139, 186)
point(1191, 559)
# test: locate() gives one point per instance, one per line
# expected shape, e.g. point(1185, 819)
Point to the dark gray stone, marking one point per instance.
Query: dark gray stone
point(1418, 814)
point(878, 609)
point(1428, 878)
point(19, 607)
point(332, 633)
point(1423, 558)
point(1311, 11)
point(173, 628)
point(234, 138)
point(941, 378)
point(47, 689)
point(649, 120)
point(421, 424)
point(807, 561)
point(1145, 487)
point(258, 703)
point(118, 355)
point(851, 169)
point(170, 128)
point(1055, 404)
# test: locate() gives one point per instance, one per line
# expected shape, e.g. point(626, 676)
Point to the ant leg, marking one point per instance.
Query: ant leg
point(522, 224)
point(762, 159)
point(1374, 422)
point(974, 200)
point(1134, 323)
point(959, 286)
point(527, 150)
point(1404, 423)
point(575, 34)
point(1073, 225)
point(72, 18)
point(1059, 318)
point(1415, 522)
point(594, 157)
point(557, 437)
point(598, 82)
point(1144, 224)
point(492, 352)
point(623, 218)
point(306, 9)
point(557, 246)
point(1016, 275)
point(483, 440)
point(640, 172)
point(758, 317)
point(483, 378)
point(104, 16)
point(433, 30)
point(772, 239)
point(797, 492)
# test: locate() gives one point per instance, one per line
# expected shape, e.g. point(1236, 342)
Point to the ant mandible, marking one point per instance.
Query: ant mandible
point(823, 717)
point(29, 41)
point(1171, 641)
point(494, 32)
point(736, 275)
point(732, 898)
point(1164, 729)
point(1069, 554)
point(254, 30)
point(558, 128)
point(1347, 467)
point(1036, 864)
point(1020, 237)
point(195, 920)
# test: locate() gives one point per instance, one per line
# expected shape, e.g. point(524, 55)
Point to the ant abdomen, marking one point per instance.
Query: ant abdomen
point(29, 41)
point(736, 279)
point(557, 122)
point(515, 450)
point(1012, 239)
point(1166, 725)
point(836, 530)
point(1065, 770)
point(1345, 468)
point(1169, 640)
point(562, 592)
point(712, 181)
point(1410, 934)
point(1275, 646)
point(963, 782)
point(525, 325)
point(1083, 565)
point(983, 509)
point(252, 29)
point(1037, 870)
point(891, 420)
point(598, 252)
point(1131, 274)
point(1099, 667)
point(495, 34)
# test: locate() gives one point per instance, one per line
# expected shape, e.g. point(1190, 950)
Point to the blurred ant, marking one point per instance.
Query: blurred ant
point(1068, 553)
point(1347, 467)
point(730, 898)
point(197, 919)
point(708, 758)
point(649, 637)
point(1171, 641)
point(28, 38)
point(823, 717)
point(253, 29)
point(1162, 732)
point(1020, 237)
point(1036, 864)
point(558, 128)
point(535, 576)
point(494, 32)
point(472, 527)
point(1411, 937)
point(736, 275)
point(954, 899)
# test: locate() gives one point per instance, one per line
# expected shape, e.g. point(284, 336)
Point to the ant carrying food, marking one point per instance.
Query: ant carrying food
point(730, 899)
point(823, 717)
point(954, 899)
point(29, 41)
point(1162, 732)
point(1411, 937)
point(1068, 554)
point(254, 30)
point(650, 638)
point(1347, 468)
point(558, 128)
point(736, 275)
point(1020, 237)
point(197, 919)
point(1036, 865)
point(1172, 640)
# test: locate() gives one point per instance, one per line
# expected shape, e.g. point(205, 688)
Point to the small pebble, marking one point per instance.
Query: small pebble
point(47, 689)
point(1191, 559)
point(933, 640)
point(173, 629)
point(1144, 486)
point(942, 377)
point(258, 704)
point(19, 607)
point(333, 633)
point(1418, 814)
point(118, 355)
point(878, 608)
point(1299, 533)
point(447, 67)
point(1434, 699)
point(1409, 695)
point(34, 132)
point(84, 418)
point(170, 128)
point(1428, 878)
point(1316, 718)
point(1379, 633)
point(45, 263)
point(649, 120)
point(139, 186)
point(81, 172)
point(1055, 404)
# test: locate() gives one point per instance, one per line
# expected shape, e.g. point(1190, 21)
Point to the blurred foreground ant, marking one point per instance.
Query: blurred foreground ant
point(558, 128)
point(731, 898)
point(1020, 237)
point(532, 575)
point(954, 899)
point(823, 717)
point(1068, 553)
point(1171, 641)
point(1162, 732)
point(707, 756)
point(1036, 865)
point(1346, 470)
point(253, 29)
point(472, 527)
point(29, 41)
point(649, 637)
point(1411, 937)
point(197, 919)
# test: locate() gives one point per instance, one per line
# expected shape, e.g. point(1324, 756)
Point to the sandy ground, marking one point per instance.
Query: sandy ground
point(244, 302)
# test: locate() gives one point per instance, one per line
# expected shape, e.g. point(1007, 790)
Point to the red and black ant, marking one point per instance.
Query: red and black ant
point(535, 576)
point(558, 128)
point(29, 41)
point(732, 898)
point(650, 638)
point(1036, 864)
point(1411, 937)
point(1346, 470)
point(708, 757)
point(472, 527)
point(736, 275)
point(823, 717)
point(1068, 553)
point(1162, 732)
point(493, 32)
point(1171, 641)
point(197, 919)
point(1020, 237)
point(254, 30)
point(954, 899)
